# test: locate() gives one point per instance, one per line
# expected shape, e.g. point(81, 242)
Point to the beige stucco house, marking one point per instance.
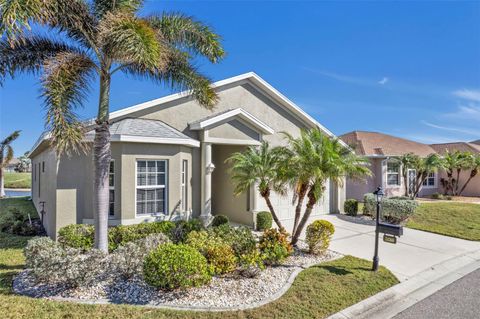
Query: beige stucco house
point(381, 150)
point(168, 160)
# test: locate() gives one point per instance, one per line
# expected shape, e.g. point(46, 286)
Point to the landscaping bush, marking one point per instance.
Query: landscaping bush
point(182, 228)
point(120, 235)
point(437, 196)
point(127, 260)
point(79, 236)
point(52, 263)
point(251, 264)
point(173, 266)
point(240, 239)
point(219, 220)
point(351, 207)
point(220, 256)
point(393, 210)
point(14, 221)
point(319, 234)
point(264, 220)
point(274, 246)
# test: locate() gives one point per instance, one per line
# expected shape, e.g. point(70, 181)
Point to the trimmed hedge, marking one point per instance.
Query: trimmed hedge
point(319, 234)
point(173, 266)
point(350, 207)
point(264, 220)
point(274, 246)
point(393, 210)
point(219, 220)
point(78, 236)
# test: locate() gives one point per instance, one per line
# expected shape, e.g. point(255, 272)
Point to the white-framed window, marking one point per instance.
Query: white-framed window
point(111, 187)
point(430, 180)
point(393, 173)
point(184, 185)
point(151, 190)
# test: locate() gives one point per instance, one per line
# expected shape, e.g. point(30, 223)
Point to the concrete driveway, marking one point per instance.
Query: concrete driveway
point(414, 252)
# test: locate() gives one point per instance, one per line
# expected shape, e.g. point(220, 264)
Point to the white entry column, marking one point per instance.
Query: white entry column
point(207, 170)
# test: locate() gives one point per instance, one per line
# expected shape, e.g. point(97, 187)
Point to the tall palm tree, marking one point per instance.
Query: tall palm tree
point(260, 166)
point(96, 39)
point(453, 162)
point(424, 167)
point(472, 162)
point(322, 159)
point(6, 155)
point(407, 161)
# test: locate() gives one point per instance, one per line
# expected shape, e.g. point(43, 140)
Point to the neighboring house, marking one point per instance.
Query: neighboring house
point(10, 168)
point(381, 150)
point(168, 160)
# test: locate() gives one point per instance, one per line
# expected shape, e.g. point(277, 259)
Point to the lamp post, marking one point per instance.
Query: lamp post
point(378, 198)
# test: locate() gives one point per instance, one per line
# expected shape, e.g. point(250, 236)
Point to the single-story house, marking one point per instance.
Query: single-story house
point(168, 160)
point(381, 149)
point(10, 167)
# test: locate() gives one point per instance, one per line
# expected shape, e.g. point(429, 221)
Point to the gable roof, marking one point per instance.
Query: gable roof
point(476, 142)
point(456, 146)
point(382, 145)
point(227, 115)
point(146, 131)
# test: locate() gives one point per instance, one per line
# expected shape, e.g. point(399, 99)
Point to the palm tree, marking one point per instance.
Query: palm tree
point(260, 166)
point(473, 163)
point(453, 162)
point(424, 167)
point(321, 158)
point(6, 155)
point(96, 39)
point(407, 161)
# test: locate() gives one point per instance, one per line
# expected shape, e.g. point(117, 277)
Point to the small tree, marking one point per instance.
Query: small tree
point(472, 162)
point(407, 161)
point(6, 155)
point(23, 164)
point(424, 167)
point(320, 158)
point(258, 166)
point(453, 163)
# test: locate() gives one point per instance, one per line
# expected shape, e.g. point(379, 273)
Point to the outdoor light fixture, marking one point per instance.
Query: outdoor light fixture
point(378, 198)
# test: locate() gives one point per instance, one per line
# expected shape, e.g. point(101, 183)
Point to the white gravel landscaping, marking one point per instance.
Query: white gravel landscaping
point(223, 292)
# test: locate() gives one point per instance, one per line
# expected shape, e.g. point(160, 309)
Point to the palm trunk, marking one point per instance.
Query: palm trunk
point(2, 188)
point(308, 211)
point(473, 173)
point(405, 184)
point(457, 182)
point(298, 208)
point(266, 196)
point(101, 161)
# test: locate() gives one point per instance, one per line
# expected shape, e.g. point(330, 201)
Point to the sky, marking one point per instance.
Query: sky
point(410, 69)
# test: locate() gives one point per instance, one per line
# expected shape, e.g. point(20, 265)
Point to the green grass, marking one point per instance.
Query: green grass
point(461, 220)
point(18, 180)
point(316, 293)
point(21, 203)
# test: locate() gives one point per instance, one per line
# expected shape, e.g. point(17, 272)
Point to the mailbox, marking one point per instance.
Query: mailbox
point(390, 229)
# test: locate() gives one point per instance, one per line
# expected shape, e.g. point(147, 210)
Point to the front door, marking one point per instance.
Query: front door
point(412, 180)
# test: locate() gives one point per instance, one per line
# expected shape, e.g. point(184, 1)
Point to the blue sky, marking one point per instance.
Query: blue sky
point(410, 69)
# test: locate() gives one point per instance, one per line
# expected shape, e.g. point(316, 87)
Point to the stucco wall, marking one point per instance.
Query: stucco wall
point(234, 130)
point(472, 189)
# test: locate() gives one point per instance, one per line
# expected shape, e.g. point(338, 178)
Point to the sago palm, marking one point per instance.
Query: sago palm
point(6, 156)
point(94, 40)
point(258, 166)
point(321, 159)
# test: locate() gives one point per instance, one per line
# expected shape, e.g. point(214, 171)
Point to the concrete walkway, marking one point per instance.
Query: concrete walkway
point(415, 252)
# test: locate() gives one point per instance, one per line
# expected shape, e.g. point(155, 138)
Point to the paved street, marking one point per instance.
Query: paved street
point(461, 300)
point(415, 251)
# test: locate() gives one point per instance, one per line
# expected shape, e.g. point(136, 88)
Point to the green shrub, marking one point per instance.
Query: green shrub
point(274, 246)
point(182, 228)
point(400, 197)
point(392, 210)
point(319, 234)
point(448, 197)
point(120, 235)
point(220, 256)
point(15, 221)
point(173, 266)
point(437, 196)
point(251, 264)
point(240, 239)
point(79, 236)
point(264, 220)
point(351, 207)
point(50, 262)
point(219, 220)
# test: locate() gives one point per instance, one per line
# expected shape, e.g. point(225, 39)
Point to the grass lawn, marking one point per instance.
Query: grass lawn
point(21, 203)
point(316, 293)
point(18, 180)
point(460, 220)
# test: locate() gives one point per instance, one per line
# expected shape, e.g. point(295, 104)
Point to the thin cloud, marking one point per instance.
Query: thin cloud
point(471, 95)
point(384, 80)
point(469, 112)
point(467, 131)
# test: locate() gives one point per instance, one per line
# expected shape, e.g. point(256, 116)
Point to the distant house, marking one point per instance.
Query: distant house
point(10, 168)
point(168, 160)
point(381, 149)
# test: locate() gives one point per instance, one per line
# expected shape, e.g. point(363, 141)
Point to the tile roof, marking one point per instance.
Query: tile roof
point(456, 146)
point(379, 144)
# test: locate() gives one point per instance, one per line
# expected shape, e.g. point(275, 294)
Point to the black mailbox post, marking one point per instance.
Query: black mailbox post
point(389, 230)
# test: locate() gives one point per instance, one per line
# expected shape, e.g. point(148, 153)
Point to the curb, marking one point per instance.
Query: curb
point(394, 300)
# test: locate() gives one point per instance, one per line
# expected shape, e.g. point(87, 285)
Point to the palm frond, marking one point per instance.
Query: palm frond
point(102, 7)
point(9, 139)
point(15, 16)
point(187, 33)
point(126, 39)
point(65, 85)
point(8, 156)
